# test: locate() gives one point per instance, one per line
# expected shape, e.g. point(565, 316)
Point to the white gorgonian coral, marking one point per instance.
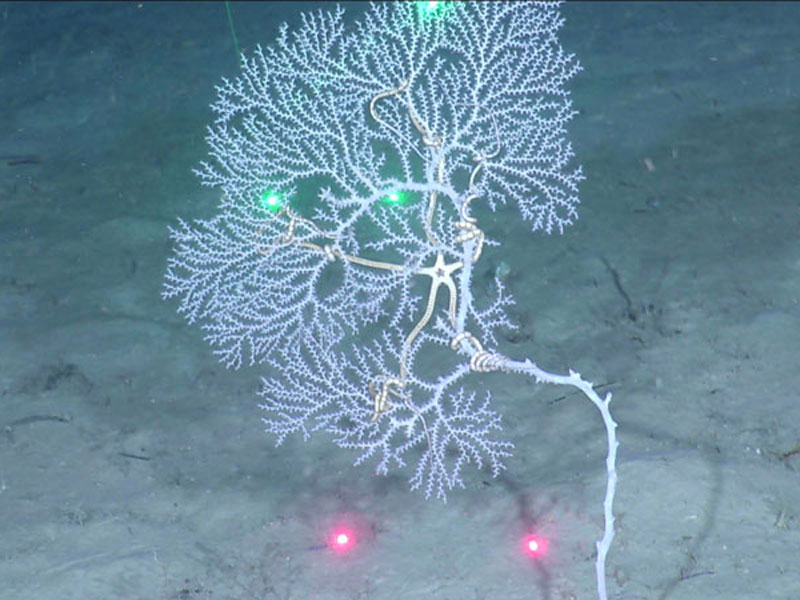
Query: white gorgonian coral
point(348, 159)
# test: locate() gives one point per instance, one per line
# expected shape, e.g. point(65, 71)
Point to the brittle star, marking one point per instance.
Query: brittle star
point(441, 273)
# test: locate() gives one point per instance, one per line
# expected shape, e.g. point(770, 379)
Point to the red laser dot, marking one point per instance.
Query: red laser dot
point(341, 540)
point(535, 547)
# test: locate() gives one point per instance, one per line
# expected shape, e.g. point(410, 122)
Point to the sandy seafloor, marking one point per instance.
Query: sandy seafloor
point(133, 465)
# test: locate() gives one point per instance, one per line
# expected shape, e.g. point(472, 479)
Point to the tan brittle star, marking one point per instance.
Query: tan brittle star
point(441, 273)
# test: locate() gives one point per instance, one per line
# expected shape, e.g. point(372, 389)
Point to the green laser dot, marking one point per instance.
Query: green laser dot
point(394, 198)
point(270, 201)
point(430, 8)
